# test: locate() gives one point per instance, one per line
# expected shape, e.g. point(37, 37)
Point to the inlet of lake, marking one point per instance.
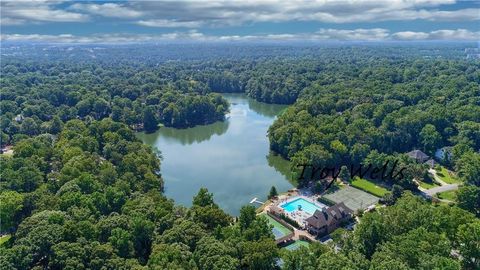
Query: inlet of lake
point(231, 158)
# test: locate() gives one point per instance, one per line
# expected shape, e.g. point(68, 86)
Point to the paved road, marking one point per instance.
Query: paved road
point(439, 189)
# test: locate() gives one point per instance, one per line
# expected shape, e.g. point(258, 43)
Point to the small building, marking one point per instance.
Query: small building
point(444, 153)
point(276, 210)
point(19, 118)
point(418, 155)
point(431, 163)
point(328, 219)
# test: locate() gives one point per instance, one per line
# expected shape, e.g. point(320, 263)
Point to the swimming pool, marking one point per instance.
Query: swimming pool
point(305, 205)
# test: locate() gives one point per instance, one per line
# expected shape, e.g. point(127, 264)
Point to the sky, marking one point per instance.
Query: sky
point(239, 20)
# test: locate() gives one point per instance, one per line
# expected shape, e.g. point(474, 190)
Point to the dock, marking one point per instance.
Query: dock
point(255, 200)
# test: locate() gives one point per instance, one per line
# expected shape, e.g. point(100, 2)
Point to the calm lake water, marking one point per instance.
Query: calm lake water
point(230, 158)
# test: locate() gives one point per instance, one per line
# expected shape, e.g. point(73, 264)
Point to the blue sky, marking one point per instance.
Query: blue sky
point(239, 20)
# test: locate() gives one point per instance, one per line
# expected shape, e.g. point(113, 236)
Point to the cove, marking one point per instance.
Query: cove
point(231, 158)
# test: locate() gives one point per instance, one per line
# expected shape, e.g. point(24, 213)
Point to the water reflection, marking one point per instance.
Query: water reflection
point(264, 109)
point(186, 136)
point(229, 158)
point(269, 110)
point(281, 165)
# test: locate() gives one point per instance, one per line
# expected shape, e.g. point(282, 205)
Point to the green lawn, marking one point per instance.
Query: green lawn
point(369, 187)
point(5, 238)
point(448, 195)
point(447, 176)
point(426, 185)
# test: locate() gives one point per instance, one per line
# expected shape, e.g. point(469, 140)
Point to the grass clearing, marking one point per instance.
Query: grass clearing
point(426, 185)
point(5, 238)
point(369, 187)
point(447, 176)
point(448, 195)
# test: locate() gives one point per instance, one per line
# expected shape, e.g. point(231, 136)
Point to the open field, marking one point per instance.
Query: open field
point(369, 187)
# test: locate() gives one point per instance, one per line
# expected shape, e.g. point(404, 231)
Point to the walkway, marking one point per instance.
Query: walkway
point(435, 176)
point(444, 186)
point(298, 233)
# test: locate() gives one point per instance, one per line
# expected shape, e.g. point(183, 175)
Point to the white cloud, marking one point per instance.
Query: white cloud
point(11, 21)
point(459, 34)
point(356, 34)
point(108, 10)
point(375, 34)
point(218, 13)
point(409, 35)
point(19, 12)
point(168, 23)
point(237, 12)
point(106, 38)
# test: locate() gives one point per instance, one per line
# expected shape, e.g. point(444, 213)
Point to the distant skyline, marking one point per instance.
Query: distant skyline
point(235, 20)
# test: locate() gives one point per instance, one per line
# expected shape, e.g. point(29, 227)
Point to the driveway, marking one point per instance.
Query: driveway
point(435, 190)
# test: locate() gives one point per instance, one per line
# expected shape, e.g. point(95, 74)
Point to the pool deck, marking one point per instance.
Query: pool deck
point(287, 197)
point(298, 215)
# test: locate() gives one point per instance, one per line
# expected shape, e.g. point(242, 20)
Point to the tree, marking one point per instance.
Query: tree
point(431, 139)
point(29, 127)
point(260, 254)
point(247, 216)
point(468, 168)
point(121, 241)
point(183, 231)
point(469, 239)
point(56, 125)
point(370, 233)
point(203, 198)
point(468, 198)
point(273, 193)
point(213, 254)
point(397, 191)
point(67, 255)
point(10, 207)
point(344, 173)
point(150, 122)
point(413, 247)
point(212, 216)
point(171, 256)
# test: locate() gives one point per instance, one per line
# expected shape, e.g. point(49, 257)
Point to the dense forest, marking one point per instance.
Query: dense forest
point(45, 94)
point(91, 199)
point(81, 192)
point(379, 112)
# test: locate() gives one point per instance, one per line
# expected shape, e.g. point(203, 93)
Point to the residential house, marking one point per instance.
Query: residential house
point(444, 153)
point(418, 155)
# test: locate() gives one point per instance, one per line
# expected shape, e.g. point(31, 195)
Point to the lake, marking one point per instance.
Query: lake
point(230, 158)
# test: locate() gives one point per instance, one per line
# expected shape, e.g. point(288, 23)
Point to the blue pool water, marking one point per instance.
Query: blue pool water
point(304, 204)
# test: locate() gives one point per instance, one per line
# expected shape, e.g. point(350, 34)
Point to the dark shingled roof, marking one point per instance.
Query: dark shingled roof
point(430, 163)
point(418, 155)
point(326, 216)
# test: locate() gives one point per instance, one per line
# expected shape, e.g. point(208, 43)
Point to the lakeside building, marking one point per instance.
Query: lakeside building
point(328, 219)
